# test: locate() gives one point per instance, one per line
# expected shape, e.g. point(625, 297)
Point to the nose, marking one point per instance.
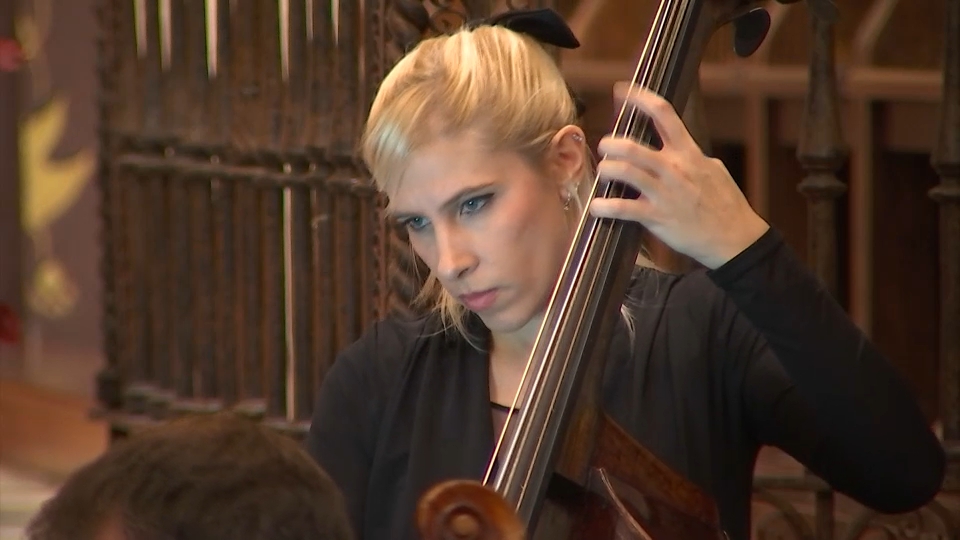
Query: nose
point(455, 258)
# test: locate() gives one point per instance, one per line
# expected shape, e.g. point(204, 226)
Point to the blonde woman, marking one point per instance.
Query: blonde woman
point(474, 139)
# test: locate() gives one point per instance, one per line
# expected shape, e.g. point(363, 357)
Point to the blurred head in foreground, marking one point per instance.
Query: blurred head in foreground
point(200, 478)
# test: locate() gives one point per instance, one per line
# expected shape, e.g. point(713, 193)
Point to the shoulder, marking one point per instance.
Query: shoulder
point(375, 360)
point(688, 310)
point(387, 337)
point(691, 295)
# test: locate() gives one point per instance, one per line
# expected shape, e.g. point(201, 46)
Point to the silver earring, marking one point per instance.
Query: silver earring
point(577, 137)
point(567, 200)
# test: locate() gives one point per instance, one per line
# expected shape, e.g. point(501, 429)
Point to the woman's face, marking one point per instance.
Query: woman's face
point(490, 226)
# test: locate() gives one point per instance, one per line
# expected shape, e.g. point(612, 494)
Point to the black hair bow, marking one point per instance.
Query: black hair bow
point(544, 25)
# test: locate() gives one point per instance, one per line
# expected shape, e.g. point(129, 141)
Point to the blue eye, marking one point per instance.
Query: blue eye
point(415, 223)
point(474, 204)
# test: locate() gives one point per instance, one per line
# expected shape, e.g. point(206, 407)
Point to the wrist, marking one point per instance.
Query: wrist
point(740, 238)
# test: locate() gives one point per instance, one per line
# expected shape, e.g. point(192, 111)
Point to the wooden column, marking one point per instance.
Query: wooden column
point(946, 161)
point(821, 154)
point(109, 379)
point(865, 150)
point(407, 21)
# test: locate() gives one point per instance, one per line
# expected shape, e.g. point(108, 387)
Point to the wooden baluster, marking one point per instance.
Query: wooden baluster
point(200, 235)
point(140, 166)
point(109, 44)
point(289, 149)
point(165, 214)
point(270, 289)
point(268, 163)
point(361, 192)
point(345, 255)
point(230, 206)
point(372, 233)
point(369, 241)
point(206, 140)
point(294, 139)
point(245, 111)
point(161, 216)
point(299, 373)
point(195, 249)
point(157, 213)
point(346, 224)
point(129, 117)
point(322, 62)
point(201, 139)
point(247, 220)
point(821, 154)
point(406, 23)
point(224, 268)
point(179, 290)
point(376, 43)
point(946, 161)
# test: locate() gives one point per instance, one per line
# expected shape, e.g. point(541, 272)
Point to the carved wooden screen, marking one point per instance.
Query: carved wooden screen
point(242, 246)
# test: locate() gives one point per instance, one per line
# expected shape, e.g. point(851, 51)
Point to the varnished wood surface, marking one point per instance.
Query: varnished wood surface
point(46, 430)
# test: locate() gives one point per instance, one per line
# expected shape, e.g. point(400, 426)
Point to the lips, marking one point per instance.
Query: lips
point(480, 300)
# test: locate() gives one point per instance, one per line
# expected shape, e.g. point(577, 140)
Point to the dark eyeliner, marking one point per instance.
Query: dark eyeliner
point(406, 223)
point(481, 199)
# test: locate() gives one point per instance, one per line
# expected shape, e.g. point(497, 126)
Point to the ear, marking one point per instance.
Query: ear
point(567, 155)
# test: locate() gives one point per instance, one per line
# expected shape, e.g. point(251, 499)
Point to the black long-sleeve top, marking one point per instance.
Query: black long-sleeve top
point(721, 362)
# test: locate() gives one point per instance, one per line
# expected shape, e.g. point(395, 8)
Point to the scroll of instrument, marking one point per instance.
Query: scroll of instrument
point(568, 471)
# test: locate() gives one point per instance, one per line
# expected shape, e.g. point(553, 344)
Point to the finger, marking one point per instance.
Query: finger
point(616, 170)
point(669, 126)
point(638, 210)
point(641, 155)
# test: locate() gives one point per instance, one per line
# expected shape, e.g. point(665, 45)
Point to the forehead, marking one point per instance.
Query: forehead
point(448, 166)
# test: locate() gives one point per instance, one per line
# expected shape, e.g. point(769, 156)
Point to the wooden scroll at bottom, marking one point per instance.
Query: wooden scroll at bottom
point(614, 504)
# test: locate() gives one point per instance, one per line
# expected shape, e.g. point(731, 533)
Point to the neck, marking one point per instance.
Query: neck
point(517, 345)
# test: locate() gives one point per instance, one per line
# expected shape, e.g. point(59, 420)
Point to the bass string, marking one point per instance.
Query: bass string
point(650, 73)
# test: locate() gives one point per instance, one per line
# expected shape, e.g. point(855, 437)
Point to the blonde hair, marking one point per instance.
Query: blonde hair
point(498, 84)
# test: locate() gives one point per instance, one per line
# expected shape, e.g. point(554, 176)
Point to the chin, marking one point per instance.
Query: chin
point(509, 321)
point(500, 324)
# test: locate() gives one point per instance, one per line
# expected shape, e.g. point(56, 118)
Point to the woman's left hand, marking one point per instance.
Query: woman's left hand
point(688, 200)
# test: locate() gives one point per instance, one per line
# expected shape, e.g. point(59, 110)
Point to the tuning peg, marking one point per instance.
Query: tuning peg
point(749, 31)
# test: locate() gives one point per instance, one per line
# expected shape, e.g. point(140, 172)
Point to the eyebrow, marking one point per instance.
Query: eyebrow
point(457, 197)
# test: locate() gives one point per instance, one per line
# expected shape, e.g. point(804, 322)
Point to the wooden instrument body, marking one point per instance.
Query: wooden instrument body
point(628, 493)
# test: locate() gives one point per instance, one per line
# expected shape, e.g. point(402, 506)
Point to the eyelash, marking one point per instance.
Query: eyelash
point(481, 199)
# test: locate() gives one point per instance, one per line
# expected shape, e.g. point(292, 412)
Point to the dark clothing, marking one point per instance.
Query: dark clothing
point(753, 353)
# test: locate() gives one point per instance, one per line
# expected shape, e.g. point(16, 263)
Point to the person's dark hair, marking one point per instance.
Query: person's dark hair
point(200, 478)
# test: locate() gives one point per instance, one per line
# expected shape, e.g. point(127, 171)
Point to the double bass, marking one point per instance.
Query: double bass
point(569, 471)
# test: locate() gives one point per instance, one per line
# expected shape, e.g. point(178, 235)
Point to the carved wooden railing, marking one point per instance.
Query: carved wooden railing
point(242, 244)
point(242, 241)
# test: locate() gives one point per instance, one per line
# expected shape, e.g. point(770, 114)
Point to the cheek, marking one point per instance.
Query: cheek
point(538, 235)
point(424, 249)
